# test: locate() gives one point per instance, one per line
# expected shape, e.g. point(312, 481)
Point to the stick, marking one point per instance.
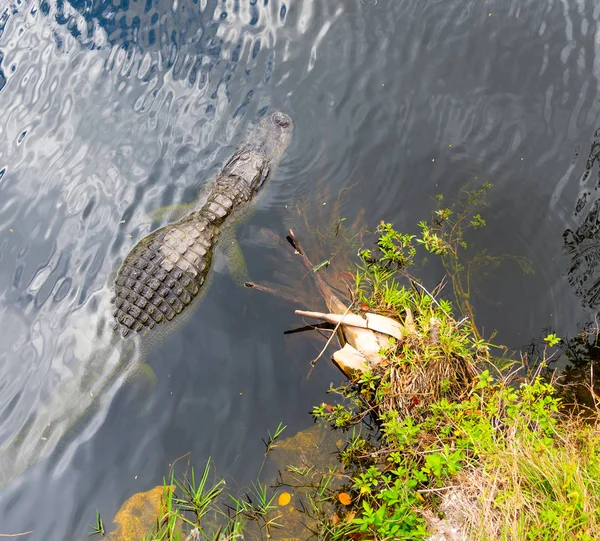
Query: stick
point(330, 338)
point(592, 392)
point(272, 291)
point(324, 325)
point(291, 238)
point(15, 534)
point(353, 320)
point(441, 285)
point(425, 490)
point(332, 302)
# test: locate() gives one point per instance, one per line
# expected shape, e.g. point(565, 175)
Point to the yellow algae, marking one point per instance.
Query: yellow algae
point(138, 515)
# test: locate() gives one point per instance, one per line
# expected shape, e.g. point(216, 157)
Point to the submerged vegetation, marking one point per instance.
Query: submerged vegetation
point(447, 434)
point(193, 507)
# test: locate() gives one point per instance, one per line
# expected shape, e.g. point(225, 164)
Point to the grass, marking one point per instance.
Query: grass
point(270, 442)
point(532, 491)
point(98, 526)
point(192, 507)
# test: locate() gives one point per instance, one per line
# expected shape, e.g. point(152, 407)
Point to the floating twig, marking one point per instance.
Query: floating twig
point(325, 326)
point(334, 333)
point(272, 291)
point(291, 238)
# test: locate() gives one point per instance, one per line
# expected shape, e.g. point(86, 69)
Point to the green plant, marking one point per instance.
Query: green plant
point(194, 504)
point(197, 497)
point(507, 425)
point(446, 236)
point(444, 463)
point(552, 340)
point(98, 527)
point(270, 443)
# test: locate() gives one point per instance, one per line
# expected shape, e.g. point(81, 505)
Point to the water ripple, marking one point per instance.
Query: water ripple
point(110, 110)
point(106, 110)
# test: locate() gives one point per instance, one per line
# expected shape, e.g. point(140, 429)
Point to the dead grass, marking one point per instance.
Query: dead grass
point(433, 360)
point(521, 489)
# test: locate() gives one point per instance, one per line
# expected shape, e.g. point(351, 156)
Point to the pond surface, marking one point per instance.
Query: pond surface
point(108, 112)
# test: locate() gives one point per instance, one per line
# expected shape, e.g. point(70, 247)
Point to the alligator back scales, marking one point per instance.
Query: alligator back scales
point(164, 272)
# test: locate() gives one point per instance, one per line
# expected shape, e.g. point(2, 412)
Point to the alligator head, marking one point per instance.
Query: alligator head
point(262, 150)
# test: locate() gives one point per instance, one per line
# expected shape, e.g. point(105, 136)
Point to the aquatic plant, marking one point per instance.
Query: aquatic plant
point(446, 235)
point(270, 443)
point(193, 508)
point(98, 526)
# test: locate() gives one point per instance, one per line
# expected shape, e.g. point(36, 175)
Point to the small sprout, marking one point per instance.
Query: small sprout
point(337, 227)
point(270, 443)
point(552, 340)
point(323, 264)
point(97, 528)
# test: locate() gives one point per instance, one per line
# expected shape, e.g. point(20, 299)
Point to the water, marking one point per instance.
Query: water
point(110, 111)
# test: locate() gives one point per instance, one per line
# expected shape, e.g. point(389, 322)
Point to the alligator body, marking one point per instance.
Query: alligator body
point(165, 271)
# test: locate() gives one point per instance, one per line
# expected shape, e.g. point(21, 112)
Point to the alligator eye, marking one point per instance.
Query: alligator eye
point(281, 120)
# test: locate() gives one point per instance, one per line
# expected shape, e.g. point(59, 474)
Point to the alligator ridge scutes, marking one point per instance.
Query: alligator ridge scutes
point(165, 271)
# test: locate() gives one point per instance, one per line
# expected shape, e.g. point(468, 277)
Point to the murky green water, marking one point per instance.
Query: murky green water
point(110, 111)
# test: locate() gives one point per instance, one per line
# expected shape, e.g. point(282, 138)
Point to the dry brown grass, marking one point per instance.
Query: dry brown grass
point(521, 490)
point(432, 361)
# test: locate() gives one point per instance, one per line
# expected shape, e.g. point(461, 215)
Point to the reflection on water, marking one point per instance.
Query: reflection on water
point(107, 113)
point(583, 243)
point(109, 110)
point(91, 137)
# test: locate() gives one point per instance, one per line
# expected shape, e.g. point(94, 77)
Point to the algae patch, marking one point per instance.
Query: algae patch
point(138, 514)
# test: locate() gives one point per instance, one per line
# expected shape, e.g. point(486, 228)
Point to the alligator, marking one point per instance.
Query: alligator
point(159, 279)
point(165, 271)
